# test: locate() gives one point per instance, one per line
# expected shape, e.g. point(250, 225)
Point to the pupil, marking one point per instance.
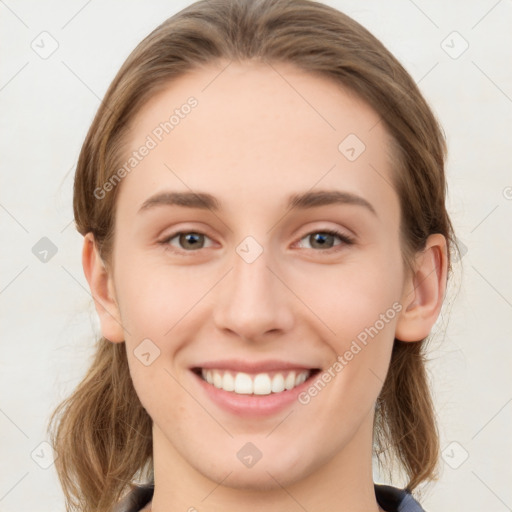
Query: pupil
point(188, 238)
point(321, 238)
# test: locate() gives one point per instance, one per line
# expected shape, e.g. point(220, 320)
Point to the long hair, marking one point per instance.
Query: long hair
point(101, 432)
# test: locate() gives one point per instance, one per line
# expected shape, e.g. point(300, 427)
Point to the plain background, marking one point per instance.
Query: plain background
point(47, 315)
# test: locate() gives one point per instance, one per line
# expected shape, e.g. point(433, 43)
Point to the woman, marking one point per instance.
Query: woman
point(262, 199)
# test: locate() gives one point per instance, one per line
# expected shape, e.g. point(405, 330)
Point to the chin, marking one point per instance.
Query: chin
point(259, 480)
point(269, 473)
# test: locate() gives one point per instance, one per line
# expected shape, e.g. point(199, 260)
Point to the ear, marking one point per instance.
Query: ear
point(424, 291)
point(102, 290)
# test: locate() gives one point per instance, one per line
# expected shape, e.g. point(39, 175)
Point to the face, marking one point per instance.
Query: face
point(251, 277)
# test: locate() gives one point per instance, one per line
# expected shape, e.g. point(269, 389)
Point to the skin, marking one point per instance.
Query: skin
point(254, 139)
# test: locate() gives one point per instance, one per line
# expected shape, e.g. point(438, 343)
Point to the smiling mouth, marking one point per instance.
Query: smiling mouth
point(263, 383)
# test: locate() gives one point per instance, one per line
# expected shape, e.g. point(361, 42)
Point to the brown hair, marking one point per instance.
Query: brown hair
point(101, 433)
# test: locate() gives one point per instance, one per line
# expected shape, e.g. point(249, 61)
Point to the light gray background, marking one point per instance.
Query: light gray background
point(47, 316)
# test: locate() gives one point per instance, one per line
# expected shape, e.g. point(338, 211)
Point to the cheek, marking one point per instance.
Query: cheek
point(360, 306)
point(159, 307)
point(154, 297)
point(353, 296)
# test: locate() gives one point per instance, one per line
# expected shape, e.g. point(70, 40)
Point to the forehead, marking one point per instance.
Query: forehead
point(256, 133)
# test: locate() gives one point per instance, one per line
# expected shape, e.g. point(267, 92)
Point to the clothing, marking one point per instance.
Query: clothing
point(391, 499)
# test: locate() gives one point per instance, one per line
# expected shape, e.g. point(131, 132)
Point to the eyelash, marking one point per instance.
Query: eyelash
point(345, 239)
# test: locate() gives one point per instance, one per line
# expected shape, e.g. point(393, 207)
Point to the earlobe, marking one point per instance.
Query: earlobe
point(424, 291)
point(102, 291)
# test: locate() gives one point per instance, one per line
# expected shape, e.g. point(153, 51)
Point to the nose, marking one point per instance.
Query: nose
point(253, 300)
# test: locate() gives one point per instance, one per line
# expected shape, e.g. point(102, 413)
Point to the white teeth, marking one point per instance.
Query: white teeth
point(228, 382)
point(301, 378)
point(260, 384)
point(289, 381)
point(217, 380)
point(243, 383)
point(278, 383)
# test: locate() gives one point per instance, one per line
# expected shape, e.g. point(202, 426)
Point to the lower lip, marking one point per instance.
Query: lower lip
point(252, 405)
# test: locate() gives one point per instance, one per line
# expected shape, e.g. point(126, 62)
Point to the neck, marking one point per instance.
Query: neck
point(344, 482)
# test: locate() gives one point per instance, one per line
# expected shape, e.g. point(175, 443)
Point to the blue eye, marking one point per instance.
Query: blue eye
point(191, 241)
point(325, 239)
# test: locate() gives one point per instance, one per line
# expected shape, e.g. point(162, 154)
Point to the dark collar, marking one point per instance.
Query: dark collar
point(391, 499)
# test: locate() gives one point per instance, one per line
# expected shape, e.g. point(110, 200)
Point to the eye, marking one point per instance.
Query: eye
point(325, 239)
point(187, 240)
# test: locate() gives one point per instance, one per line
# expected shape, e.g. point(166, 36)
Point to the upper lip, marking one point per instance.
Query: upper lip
point(240, 365)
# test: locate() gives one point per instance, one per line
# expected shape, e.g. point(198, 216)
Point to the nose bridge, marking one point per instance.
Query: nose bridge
point(252, 300)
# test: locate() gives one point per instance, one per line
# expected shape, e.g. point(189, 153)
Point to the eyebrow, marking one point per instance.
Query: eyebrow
point(302, 201)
